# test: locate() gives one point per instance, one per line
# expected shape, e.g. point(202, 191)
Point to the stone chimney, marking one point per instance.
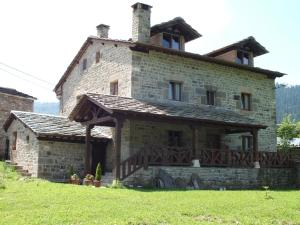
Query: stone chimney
point(141, 22)
point(102, 31)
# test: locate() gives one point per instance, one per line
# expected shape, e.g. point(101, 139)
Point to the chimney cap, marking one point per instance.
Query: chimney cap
point(102, 25)
point(141, 5)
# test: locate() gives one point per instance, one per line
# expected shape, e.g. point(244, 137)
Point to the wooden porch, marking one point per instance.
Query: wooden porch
point(113, 111)
point(207, 158)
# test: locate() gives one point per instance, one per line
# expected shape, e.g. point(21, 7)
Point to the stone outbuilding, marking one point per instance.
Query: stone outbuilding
point(11, 99)
point(48, 146)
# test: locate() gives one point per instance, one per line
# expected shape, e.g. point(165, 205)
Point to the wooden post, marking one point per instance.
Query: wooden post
point(255, 148)
point(194, 140)
point(88, 152)
point(118, 133)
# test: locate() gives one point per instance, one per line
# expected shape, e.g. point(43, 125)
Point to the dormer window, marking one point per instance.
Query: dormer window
point(171, 41)
point(242, 58)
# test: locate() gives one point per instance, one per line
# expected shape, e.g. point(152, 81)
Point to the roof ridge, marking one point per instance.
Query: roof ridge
point(41, 114)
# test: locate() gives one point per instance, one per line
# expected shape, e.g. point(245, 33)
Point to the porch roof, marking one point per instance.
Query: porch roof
point(177, 111)
point(51, 127)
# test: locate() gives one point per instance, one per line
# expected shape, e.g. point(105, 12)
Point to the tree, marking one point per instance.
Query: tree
point(287, 131)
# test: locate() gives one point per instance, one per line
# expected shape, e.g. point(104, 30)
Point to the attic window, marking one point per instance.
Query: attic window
point(242, 58)
point(97, 57)
point(171, 41)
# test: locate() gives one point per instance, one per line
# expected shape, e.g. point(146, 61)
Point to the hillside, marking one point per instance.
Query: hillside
point(288, 102)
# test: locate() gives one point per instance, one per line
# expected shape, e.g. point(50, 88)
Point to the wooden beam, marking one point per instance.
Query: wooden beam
point(194, 141)
point(118, 134)
point(254, 133)
point(88, 151)
point(98, 121)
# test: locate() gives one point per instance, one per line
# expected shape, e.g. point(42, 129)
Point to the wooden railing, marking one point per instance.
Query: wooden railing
point(232, 158)
point(175, 156)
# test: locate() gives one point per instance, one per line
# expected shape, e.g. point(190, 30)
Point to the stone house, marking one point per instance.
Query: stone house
point(168, 109)
point(11, 99)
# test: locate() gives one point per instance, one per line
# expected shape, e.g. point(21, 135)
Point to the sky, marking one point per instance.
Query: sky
point(40, 38)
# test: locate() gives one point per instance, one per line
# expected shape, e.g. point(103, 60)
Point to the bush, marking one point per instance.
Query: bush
point(89, 177)
point(116, 184)
point(98, 172)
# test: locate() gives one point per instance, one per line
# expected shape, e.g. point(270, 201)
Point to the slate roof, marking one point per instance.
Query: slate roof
point(249, 43)
point(44, 125)
point(178, 22)
point(178, 110)
point(11, 91)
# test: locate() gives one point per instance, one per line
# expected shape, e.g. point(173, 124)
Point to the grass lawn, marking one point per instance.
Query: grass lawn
point(36, 201)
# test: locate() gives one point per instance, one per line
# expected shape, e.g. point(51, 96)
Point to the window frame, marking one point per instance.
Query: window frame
point(244, 106)
point(114, 87)
point(172, 92)
point(84, 64)
point(210, 97)
point(241, 56)
point(14, 143)
point(247, 140)
point(171, 40)
point(97, 57)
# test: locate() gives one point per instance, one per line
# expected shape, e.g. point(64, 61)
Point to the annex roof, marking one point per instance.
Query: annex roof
point(11, 91)
point(58, 127)
point(179, 110)
point(249, 44)
point(177, 23)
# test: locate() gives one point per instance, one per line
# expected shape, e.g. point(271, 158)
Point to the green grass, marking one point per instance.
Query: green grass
point(41, 202)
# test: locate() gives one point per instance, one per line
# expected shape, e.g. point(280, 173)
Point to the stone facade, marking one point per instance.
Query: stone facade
point(114, 65)
point(10, 102)
point(152, 72)
point(215, 178)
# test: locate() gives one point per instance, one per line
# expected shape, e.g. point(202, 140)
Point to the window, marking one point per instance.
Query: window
point(14, 145)
point(246, 101)
point(246, 143)
point(171, 41)
point(175, 138)
point(175, 91)
point(242, 58)
point(114, 88)
point(210, 97)
point(27, 139)
point(97, 57)
point(213, 141)
point(84, 64)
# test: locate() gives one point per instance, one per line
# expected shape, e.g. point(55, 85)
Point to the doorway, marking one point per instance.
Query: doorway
point(98, 155)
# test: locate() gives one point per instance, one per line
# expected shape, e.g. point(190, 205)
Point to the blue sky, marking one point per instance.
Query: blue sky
point(42, 37)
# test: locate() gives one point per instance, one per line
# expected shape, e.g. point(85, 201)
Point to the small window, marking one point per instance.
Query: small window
point(97, 57)
point(171, 41)
point(14, 145)
point(242, 58)
point(210, 97)
point(114, 88)
point(175, 138)
point(246, 101)
point(175, 91)
point(27, 139)
point(247, 143)
point(84, 64)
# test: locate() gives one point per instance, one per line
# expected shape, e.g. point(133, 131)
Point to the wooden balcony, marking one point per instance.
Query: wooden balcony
point(171, 156)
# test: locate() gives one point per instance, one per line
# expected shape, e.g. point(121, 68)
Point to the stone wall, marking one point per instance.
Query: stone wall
point(27, 150)
point(115, 64)
point(8, 103)
point(56, 158)
point(215, 178)
point(151, 73)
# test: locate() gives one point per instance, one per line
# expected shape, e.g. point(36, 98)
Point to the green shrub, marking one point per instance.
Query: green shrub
point(98, 172)
point(89, 177)
point(116, 184)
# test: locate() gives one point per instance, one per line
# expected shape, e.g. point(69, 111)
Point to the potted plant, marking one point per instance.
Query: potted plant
point(74, 179)
point(97, 181)
point(88, 180)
